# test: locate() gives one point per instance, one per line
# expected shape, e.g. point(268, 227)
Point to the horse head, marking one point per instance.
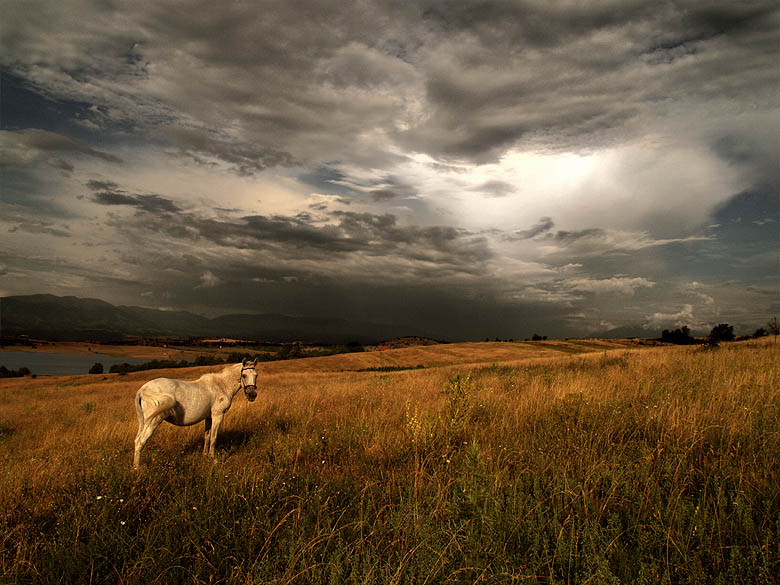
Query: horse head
point(249, 379)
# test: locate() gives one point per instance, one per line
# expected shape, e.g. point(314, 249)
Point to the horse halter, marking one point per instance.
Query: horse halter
point(241, 378)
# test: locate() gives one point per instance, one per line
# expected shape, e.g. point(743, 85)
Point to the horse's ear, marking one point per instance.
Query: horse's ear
point(256, 360)
point(243, 362)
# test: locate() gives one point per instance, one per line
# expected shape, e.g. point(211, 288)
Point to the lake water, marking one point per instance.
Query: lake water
point(61, 364)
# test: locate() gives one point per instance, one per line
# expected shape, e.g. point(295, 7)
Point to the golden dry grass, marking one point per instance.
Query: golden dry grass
point(57, 418)
point(463, 354)
point(624, 464)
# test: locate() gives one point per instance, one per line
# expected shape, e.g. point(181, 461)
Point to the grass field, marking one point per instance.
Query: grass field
point(564, 462)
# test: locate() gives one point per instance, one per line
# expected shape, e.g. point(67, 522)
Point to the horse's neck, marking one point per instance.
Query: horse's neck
point(229, 379)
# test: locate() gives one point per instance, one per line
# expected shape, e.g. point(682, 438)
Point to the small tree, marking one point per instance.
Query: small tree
point(680, 336)
point(97, 368)
point(760, 332)
point(774, 327)
point(721, 332)
point(290, 351)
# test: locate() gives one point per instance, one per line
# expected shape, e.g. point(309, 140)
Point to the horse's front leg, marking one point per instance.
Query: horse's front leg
point(216, 420)
point(207, 437)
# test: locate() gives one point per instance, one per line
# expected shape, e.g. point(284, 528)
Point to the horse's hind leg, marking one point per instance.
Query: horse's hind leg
point(150, 424)
point(207, 437)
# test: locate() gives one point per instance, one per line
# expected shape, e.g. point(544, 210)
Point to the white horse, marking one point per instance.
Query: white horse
point(186, 403)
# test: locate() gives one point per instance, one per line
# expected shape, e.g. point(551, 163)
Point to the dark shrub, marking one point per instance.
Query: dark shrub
point(6, 373)
point(681, 336)
point(722, 332)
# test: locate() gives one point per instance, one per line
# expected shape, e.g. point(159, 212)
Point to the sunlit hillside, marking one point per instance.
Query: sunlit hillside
point(447, 354)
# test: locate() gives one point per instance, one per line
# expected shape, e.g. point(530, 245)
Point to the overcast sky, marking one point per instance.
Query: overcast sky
point(470, 169)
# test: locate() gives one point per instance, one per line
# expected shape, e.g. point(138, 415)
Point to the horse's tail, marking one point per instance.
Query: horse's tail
point(163, 403)
point(138, 410)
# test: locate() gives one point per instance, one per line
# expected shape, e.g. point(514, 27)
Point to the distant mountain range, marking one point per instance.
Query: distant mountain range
point(76, 319)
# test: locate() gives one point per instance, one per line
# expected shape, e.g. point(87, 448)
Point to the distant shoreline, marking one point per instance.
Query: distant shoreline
point(83, 347)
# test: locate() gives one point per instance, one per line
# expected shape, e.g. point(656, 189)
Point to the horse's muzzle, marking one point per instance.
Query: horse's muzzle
point(251, 393)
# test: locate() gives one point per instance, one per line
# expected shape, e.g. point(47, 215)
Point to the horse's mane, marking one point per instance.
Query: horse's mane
point(226, 373)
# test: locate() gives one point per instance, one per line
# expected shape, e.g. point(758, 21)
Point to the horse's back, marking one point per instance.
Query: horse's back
point(164, 386)
point(189, 401)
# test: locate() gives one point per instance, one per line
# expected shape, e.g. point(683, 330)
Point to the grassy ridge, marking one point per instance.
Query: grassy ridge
point(462, 354)
point(653, 466)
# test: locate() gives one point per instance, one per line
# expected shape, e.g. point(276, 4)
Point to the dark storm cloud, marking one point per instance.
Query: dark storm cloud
point(293, 233)
point(150, 203)
point(62, 165)
point(96, 185)
point(439, 311)
point(544, 225)
point(245, 159)
point(754, 150)
point(329, 179)
point(109, 193)
point(359, 265)
point(41, 227)
point(496, 188)
point(559, 75)
point(381, 233)
point(20, 148)
point(567, 237)
point(384, 194)
point(325, 179)
point(757, 206)
point(436, 249)
point(235, 56)
point(307, 81)
point(50, 142)
point(535, 23)
point(375, 235)
point(24, 194)
point(24, 106)
point(602, 252)
point(393, 188)
point(353, 94)
point(747, 231)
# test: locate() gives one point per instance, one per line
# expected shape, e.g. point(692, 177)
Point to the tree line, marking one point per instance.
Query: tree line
point(287, 352)
point(720, 332)
point(201, 360)
point(20, 373)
